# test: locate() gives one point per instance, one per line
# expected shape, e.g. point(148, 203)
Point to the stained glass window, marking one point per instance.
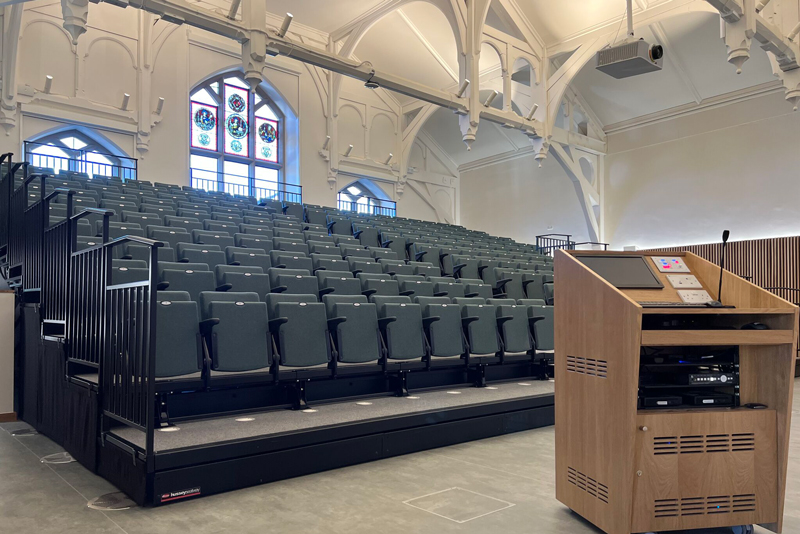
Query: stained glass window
point(241, 132)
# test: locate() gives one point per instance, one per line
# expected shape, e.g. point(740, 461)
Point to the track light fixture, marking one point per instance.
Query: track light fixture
point(234, 9)
point(369, 84)
point(348, 151)
point(794, 32)
point(462, 88)
point(160, 105)
point(490, 98)
point(125, 99)
point(327, 142)
point(530, 114)
point(389, 159)
point(285, 26)
point(48, 84)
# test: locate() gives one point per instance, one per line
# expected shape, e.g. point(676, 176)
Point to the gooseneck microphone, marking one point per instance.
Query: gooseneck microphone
point(718, 303)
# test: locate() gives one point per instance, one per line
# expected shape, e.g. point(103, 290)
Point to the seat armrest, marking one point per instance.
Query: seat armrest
point(503, 319)
point(440, 294)
point(225, 287)
point(385, 244)
point(275, 324)
point(207, 324)
point(471, 295)
point(369, 292)
point(481, 268)
point(533, 320)
point(334, 322)
point(457, 270)
point(502, 283)
point(235, 263)
point(465, 321)
point(525, 284)
point(279, 289)
point(183, 260)
point(162, 286)
point(428, 321)
point(326, 291)
point(356, 234)
point(383, 322)
point(420, 255)
point(126, 257)
point(407, 293)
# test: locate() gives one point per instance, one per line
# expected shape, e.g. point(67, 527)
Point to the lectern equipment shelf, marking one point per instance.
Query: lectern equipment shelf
point(653, 432)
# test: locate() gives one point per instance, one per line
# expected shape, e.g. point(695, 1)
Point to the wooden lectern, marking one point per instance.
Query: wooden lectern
point(629, 470)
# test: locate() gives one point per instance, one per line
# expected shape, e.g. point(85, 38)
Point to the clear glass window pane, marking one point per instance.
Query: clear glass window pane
point(237, 82)
point(203, 172)
point(73, 142)
point(266, 183)
point(236, 178)
point(204, 97)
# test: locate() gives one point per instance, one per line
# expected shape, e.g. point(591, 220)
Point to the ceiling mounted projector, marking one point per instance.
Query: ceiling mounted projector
point(632, 57)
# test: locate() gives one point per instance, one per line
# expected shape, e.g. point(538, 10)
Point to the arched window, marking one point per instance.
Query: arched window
point(236, 142)
point(75, 151)
point(358, 197)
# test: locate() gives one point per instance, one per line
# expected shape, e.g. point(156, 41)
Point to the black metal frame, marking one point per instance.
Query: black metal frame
point(81, 164)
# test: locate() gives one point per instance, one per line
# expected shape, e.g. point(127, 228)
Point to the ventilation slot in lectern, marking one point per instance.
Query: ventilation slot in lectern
point(588, 484)
point(587, 366)
point(663, 445)
point(713, 505)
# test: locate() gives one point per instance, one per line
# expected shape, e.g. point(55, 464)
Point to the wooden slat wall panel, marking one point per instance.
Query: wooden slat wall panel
point(765, 262)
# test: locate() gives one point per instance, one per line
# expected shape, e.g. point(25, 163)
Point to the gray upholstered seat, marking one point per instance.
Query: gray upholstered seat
point(293, 281)
point(405, 336)
point(445, 335)
point(302, 339)
point(357, 339)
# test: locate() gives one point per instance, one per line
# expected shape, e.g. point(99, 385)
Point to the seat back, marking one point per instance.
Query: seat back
point(482, 334)
point(445, 335)
point(295, 281)
point(357, 340)
point(240, 342)
point(405, 336)
point(302, 340)
point(178, 345)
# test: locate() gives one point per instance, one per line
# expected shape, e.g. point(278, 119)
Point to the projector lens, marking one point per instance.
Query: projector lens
point(656, 52)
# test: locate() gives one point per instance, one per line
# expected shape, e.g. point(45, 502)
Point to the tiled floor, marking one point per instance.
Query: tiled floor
point(503, 484)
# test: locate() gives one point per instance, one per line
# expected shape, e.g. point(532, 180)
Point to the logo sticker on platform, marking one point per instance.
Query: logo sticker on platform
point(177, 495)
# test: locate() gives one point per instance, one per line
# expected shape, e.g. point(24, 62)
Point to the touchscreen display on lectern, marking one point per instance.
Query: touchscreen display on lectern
point(623, 272)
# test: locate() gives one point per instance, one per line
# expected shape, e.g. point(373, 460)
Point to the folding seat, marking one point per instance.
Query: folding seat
point(187, 223)
point(339, 225)
point(142, 252)
point(276, 205)
point(257, 220)
point(417, 285)
point(378, 284)
point(382, 253)
point(179, 351)
point(355, 251)
point(82, 193)
point(548, 268)
point(78, 202)
point(486, 270)
point(281, 217)
point(394, 242)
point(217, 226)
point(549, 296)
point(533, 284)
point(346, 240)
point(243, 278)
point(289, 260)
point(169, 235)
point(289, 245)
point(368, 236)
point(212, 238)
point(324, 247)
point(200, 215)
point(300, 328)
point(249, 257)
point(240, 340)
point(252, 241)
point(474, 287)
point(160, 201)
point(513, 325)
point(256, 229)
point(315, 228)
point(142, 219)
point(293, 281)
point(509, 282)
point(293, 209)
point(228, 218)
point(99, 187)
point(393, 267)
point(445, 334)
point(158, 210)
point(287, 233)
point(338, 282)
point(330, 262)
point(288, 225)
point(316, 216)
point(463, 266)
point(126, 275)
point(480, 326)
point(117, 229)
point(447, 287)
point(357, 338)
point(226, 210)
point(543, 328)
point(194, 253)
point(194, 278)
point(363, 265)
point(405, 335)
point(424, 269)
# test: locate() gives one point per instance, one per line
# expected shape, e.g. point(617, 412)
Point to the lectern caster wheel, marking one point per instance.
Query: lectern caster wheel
point(743, 529)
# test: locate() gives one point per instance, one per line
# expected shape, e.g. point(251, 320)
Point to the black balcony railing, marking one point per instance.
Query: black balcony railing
point(244, 186)
point(367, 206)
point(80, 161)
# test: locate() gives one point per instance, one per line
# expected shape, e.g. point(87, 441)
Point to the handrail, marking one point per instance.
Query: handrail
point(135, 239)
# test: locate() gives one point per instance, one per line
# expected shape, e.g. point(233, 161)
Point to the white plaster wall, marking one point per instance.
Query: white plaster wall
point(684, 180)
point(112, 58)
point(517, 199)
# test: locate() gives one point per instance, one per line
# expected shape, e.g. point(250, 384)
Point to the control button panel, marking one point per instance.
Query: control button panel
point(668, 264)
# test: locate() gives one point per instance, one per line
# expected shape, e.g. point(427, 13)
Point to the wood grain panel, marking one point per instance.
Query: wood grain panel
point(675, 338)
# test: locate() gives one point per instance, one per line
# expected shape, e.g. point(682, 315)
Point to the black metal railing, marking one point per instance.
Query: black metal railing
point(258, 189)
point(17, 207)
point(368, 206)
point(80, 161)
point(128, 326)
point(589, 245)
point(6, 190)
point(549, 243)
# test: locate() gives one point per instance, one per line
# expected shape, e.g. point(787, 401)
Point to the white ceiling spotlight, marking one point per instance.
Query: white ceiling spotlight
point(287, 21)
point(491, 98)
